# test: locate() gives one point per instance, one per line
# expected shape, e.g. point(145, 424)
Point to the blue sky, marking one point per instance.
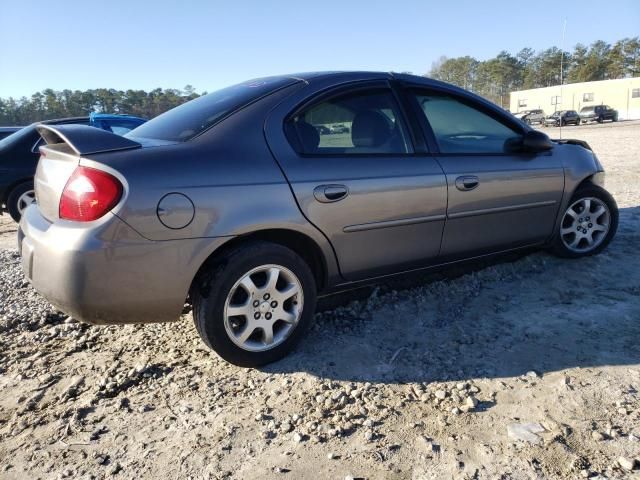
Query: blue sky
point(209, 44)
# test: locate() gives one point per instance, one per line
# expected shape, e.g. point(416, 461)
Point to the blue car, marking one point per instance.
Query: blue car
point(19, 156)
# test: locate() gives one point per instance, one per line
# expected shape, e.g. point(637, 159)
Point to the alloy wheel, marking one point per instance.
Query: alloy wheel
point(263, 308)
point(26, 199)
point(585, 224)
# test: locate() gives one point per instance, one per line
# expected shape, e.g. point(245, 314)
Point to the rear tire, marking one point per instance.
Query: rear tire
point(19, 199)
point(588, 224)
point(239, 316)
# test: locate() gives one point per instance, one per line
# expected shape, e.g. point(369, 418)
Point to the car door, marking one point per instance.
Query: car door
point(499, 197)
point(381, 205)
point(607, 112)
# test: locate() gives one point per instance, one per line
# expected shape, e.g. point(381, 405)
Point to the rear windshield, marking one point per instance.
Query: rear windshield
point(188, 120)
point(587, 109)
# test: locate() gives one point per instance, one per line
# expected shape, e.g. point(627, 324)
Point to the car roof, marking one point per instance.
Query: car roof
point(364, 75)
point(346, 76)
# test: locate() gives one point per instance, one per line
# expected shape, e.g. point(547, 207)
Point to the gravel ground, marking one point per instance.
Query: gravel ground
point(523, 369)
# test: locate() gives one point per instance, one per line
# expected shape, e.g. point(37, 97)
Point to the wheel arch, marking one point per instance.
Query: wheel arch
point(587, 178)
point(596, 179)
point(303, 245)
point(12, 186)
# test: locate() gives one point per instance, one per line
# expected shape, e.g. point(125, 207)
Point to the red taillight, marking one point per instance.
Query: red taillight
point(89, 194)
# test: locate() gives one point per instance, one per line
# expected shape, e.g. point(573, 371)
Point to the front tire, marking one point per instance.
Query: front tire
point(253, 305)
point(588, 224)
point(19, 199)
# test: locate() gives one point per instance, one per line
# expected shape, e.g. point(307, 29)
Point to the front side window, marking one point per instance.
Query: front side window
point(461, 128)
point(359, 122)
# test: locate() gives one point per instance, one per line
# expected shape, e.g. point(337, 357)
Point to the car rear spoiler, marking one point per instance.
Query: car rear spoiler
point(85, 140)
point(570, 141)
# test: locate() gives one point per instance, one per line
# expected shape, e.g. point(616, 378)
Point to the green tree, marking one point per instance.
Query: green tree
point(459, 71)
point(67, 103)
point(597, 62)
point(498, 76)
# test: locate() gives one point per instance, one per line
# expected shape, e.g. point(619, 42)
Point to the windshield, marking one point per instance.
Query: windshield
point(189, 119)
point(587, 109)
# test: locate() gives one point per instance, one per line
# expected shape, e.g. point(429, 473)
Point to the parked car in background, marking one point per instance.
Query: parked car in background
point(598, 113)
point(19, 156)
point(533, 116)
point(561, 118)
point(340, 128)
point(323, 130)
point(233, 201)
point(6, 131)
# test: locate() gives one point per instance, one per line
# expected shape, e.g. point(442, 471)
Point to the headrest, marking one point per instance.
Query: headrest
point(370, 129)
point(309, 136)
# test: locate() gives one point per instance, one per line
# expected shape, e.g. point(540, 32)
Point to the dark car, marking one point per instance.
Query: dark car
point(598, 113)
point(323, 130)
point(235, 201)
point(563, 117)
point(19, 156)
point(533, 116)
point(6, 131)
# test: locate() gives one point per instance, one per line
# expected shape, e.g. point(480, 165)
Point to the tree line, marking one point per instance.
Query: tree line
point(49, 103)
point(493, 79)
point(496, 77)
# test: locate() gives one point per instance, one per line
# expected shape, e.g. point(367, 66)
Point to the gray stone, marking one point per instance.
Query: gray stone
point(526, 432)
point(627, 463)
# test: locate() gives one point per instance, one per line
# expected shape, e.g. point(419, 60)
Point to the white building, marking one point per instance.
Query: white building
point(622, 94)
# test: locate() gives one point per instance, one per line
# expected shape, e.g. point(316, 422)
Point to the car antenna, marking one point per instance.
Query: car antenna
point(564, 29)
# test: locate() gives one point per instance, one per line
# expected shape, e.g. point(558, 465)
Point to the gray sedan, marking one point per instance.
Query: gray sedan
point(236, 202)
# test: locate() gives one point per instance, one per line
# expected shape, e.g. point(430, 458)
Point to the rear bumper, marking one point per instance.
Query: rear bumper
point(105, 272)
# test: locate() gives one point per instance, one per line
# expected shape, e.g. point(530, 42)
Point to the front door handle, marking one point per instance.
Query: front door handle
point(467, 183)
point(330, 193)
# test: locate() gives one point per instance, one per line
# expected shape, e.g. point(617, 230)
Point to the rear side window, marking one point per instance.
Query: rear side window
point(188, 120)
point(358, 122)
point(461, 128)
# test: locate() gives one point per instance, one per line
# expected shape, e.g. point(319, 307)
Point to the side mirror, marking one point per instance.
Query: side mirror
point(536, 141)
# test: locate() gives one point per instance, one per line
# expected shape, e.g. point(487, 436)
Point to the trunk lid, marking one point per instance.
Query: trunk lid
point(66, 145)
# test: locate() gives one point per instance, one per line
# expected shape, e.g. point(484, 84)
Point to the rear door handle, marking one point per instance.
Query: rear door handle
point(467, 183)
point(330, 193)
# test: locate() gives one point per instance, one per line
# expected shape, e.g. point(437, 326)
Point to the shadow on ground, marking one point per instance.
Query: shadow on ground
point(498, 318)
